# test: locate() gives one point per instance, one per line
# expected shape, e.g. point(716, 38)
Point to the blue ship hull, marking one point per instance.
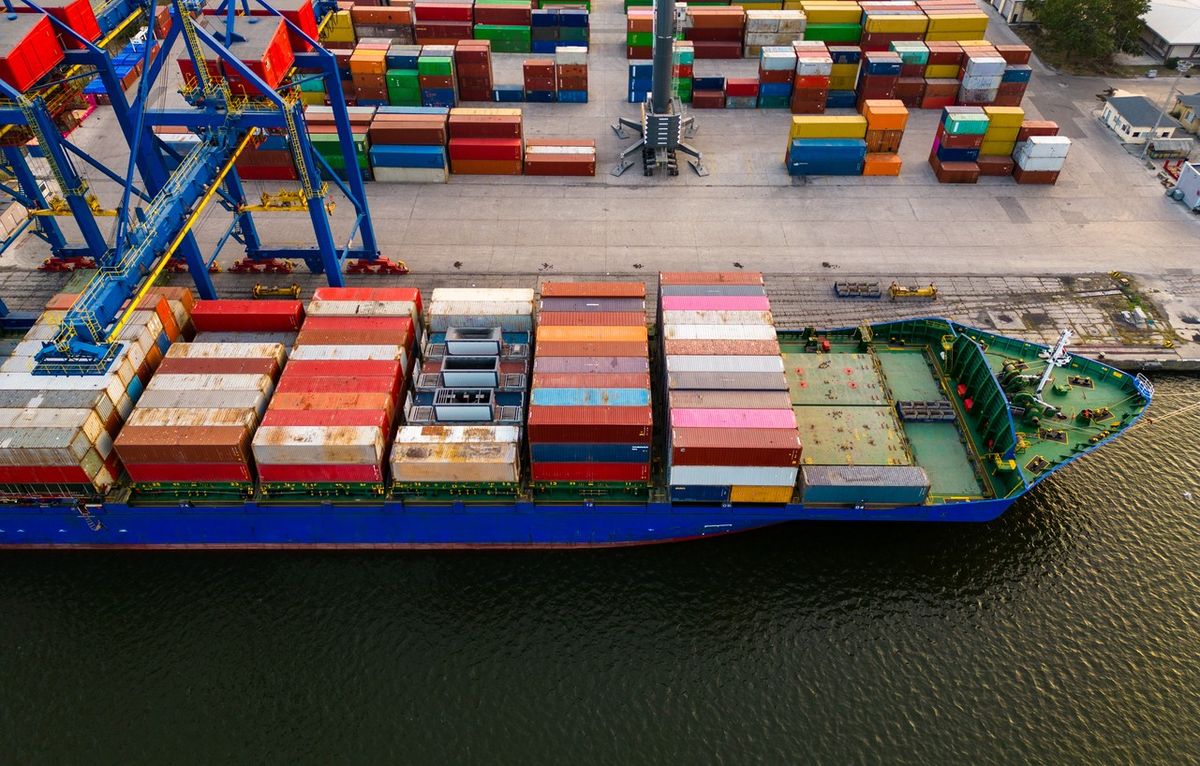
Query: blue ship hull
point(398, 526)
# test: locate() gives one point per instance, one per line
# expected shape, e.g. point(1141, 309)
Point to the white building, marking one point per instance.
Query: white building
point(1132, 118)
point(1173, 29)
point(1188, 186)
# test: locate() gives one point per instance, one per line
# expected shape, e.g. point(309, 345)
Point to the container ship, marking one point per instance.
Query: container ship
point(508, 418)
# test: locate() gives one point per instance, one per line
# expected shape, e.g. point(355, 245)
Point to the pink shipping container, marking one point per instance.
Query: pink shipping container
point(719, 418)
point(716, 303)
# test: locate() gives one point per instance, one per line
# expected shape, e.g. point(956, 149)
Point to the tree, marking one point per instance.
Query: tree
point(1091, 29)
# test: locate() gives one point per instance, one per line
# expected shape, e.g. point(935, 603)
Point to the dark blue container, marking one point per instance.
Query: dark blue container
point(590, 453)
point(845, 54)
point(770, 89)
point(405, 156)
point(1018, 73)
point(541, 96)
point(638, 96)
point(887, 68)
point(572, 96)
point(645, 71)
point(573, 17)
point(506, 94)
point(709, 83)
point(438, 97)
point(544, 17)
point(543, 46)
point(957, 155)
point(841, 99)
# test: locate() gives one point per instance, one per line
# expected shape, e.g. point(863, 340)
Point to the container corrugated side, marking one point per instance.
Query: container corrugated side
point(444, 434)
point(627, 425)
point(482, 295)
point(559, 452)
point(710, 278)
point(586, 364)
point(591, 397)
point(212, 383)
point(313, 445)
point(714, 303)
point(723, 446)
point(365, 309)
point(723, 475)
point(737, 400)
point(475, 462)
point(721, 348)
point(223, 366)
point(213, 400)
point(376, 353)
point(594, 379)
point(591, 319)
point(184, 444)
point(600, 349)
point(725, 289)
point(597, 333)
point(769, 495)
point(189, 416)
point(670, 318)
point(719, 332)
point(593, 290)
point(594, 304)
point(713, 418)
point(728, 381)
point(734, 364)
point(852, 485)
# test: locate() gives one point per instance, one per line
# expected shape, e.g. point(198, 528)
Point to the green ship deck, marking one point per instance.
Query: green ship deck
point(959, 403)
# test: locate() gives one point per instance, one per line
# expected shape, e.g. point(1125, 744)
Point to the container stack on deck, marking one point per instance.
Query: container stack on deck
point(190, 432)
point(486, 141)
point(465, 412)
point(328, 425)
point(56, 432)
point(590, 417)
point(408, 144)
point(826, 145)
point(732, 434)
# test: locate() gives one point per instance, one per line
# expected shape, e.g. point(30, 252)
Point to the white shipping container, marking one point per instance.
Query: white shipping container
point(710, 363)
point(761, 21)
point(18, 364)
point(813, 66)
point(723, 475)
point(318, 445)
point(42, 332)
point(86, 420)
point(1045, 146)
point(588, 150)
point(411, 175)
point(205, 400)
point(716, 317)
point(571, 54)
point(50, 446)
point(1041, 163)
point(212, 382)
point(482, 294)
point(985, 65)
point(497, 463)
point(719, 332)
point(437, 434)
point(364, 309)
point(183, 416)
point(227, 351)
point(376, 353)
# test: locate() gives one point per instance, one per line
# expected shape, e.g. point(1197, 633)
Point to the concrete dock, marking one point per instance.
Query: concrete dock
point(1024, 260)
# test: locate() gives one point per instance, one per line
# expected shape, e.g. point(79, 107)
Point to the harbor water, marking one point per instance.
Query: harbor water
point(1065, 632)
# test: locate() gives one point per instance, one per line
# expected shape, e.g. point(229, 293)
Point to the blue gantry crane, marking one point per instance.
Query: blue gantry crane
point(157, 226)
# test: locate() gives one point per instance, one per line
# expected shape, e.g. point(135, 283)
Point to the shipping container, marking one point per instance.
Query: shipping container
point(586, 364)
point(740, 400)
point(723, 446)
point(732, 364)
point(627, 425)
point(315, 445)
point(727, 381)
point(590, 397)
point(863, 485)
point(723, 475)
point(734, 419)
point(619, 472)
point(473, 462)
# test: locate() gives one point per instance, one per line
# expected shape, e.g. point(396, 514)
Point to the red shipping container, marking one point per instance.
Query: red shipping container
point(718, 50)
point(1037, 128)
point(247, 316)
point(308, 474)
point(998, 166)
point(628, 472)
point(560, 165)
point(588, 289)
point(606, 425)
point(222, 366)
point(361, 337)
point(351, 367)
point(303, 384)
point(741, 86)
point(776, 75)
point(369, 294)
point(723, 446)
point(48, 474)
point(188, 472)
point(264, 49)
point(31, 49)
point(380, 419)
point(708, 99)
point(485, 126)
point(484, 149)
point(487, 167)
point(424, 12)
point(811, 82)
point(76, 14)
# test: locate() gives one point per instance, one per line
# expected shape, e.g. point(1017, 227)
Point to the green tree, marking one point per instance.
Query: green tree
point(1090, 29)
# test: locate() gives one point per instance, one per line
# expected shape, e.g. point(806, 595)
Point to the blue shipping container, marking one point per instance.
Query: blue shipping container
point(841, 99)
point(404, 156)
point(884, 68)
point(773, 89)
point(508, 93)
point(543, 46)
point(831, 149)
point(699, 494)
point(541, 96)
point(591, 397)
point(572, 96)
point(957, 155)
point(708, 83)
point(590, 453)
point(573, 17)
point(438, 97)
point(544, 17)
point(1018, 73)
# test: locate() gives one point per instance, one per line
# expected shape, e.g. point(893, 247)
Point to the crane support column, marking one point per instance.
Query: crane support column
point(29, 186)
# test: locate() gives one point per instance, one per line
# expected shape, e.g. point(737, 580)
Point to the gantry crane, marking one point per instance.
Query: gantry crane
point(146, 238)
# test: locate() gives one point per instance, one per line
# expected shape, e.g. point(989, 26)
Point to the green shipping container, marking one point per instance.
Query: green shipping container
point(966, 124)
point(501, 32)
point(437, 66)
point(639, 39)
point(833, 33)
point(774, 102)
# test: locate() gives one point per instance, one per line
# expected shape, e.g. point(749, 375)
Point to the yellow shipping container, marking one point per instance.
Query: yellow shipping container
point(828, 126)
point(312, 98)
point(1004, 117)
point(1001, 134)
point(793, 5)
point(905, 23)
point(951, 37)
point(843, 82)
point(584, 334)
point(958, 22)
point(941, 71)
point(773, 495)
point(997, 148)
point(845, 70)
point(761, 6)
point(832, 13)
point(339, 28)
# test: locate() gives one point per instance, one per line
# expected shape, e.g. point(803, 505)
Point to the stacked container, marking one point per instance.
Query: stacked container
point(402, 77)
point(56, 433)
point(888, 22)
point(772, 28)
point(982, 73)
point(776, 70)
point(886, 121)
point(554, 28)
point(590, 413)
point(436, 75)
point(708, 93)
point(732, 434)
point(955, 152)
point(914, 57)
point(683, 69)
point(826, 145)
point(953, 20)
point(1000, 140)
point(880, 74)
point(485, 141)
point(506, 23)
point(473, 64)
point(368, 72)
point(810, 88)
point(323, 133)
point(394, 22)
point(571, 73)
point(641, 81)
point(465, 411)
point(741, 92)
point(1039, 159)
point(560, 157)
point(843, 76)
point(328, 425)
point(832, 22)
point(716, 32)
point(442, 22)
point(941, 75)
point(639, 34)
point(540, 84)
point(1017, 74)
point(408, 144)
point(191, 432)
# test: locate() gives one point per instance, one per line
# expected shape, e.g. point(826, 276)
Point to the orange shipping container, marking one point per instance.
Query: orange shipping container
point(882, 165)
